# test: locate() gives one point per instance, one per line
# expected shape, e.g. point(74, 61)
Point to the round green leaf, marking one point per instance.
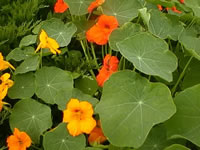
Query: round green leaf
point(176, 147)
point(78, 7)
point(50, 81)
point(32, 117)
point(28, 40)
point(60, 139)
point(123, 10)
point(59, 31)
point(127, 30)
point(186, 122)
point(86, 84)
point(149, 55)
point(130, 106)
point(29, 64)
point(24, 86)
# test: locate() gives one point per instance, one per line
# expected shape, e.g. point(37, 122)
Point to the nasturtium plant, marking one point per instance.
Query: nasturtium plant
point(100, 74)
point(125, 115)
point(31, 117)
point(152, 59)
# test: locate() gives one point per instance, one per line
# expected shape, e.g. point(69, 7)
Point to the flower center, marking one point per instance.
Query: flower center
point(107, 26)
point(0, 81)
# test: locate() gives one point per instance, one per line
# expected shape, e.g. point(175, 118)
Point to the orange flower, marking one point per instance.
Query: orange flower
point(100, 32)
point(96, 135)
point(78, 115)
point(60, 6)
point(4, 64)
point(47, 42)
point(110, 65)
point(181, 1)
point(18, 141)
point(175, 10)
point(160, 7)
point(5, 83)
point(95, 4)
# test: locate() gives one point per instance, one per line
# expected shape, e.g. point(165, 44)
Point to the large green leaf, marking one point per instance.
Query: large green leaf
point(50, 81)
point(59, 31)
point(32, 117)
point(176, 147)
point(130, 107)
point(19, 54)
point(149, 55)
point(164, 26)
point(24, 86)
point(29, 64)
point(186, 122)
point(123, 10)
point(127, 30)
point(78, 7)
point(60, 139)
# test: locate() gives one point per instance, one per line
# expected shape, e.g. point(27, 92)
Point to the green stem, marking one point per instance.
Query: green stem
point(41, 58)
point(87, 59)
point(94, 56)
point(35, 147)
point(124, 64)
point(120, 63)
point(149, 78)
point(4, 147)
point(181, 76)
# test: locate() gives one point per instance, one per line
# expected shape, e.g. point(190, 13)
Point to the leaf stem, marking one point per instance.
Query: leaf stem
point(181, 76)
point(87, 59)
point(94, 56)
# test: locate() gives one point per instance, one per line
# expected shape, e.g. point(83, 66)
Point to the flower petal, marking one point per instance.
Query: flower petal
point(74, 128)
point(87, 125)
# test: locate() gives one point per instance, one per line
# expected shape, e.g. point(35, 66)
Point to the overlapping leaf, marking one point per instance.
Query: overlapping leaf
point(50, 81)
point(149, 55)
point(28, 40)
point(127, 30)
point(123, 10)
point(176, 147)
point(186, 122)
point(32, 117)
point(130, 106)
point(60, 139)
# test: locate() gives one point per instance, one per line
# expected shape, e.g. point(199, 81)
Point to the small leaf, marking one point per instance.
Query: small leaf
point(59, 31)
point(28, 40)
point(78, 7)
point(29, 64)
point(32, 117)
point(87, 85)
point(127, 30)
point(145, 15)
point(24, 86)
point(123, 10)
point(130, 107)
point(186, 122)
point(50, 81)
point(19, 54)
point(152, 58)
point(60, 139)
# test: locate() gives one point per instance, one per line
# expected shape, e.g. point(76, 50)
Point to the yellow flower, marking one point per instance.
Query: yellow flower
point(5, 83)
point(78, 115)
point(4, 64)
point(47, 42)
